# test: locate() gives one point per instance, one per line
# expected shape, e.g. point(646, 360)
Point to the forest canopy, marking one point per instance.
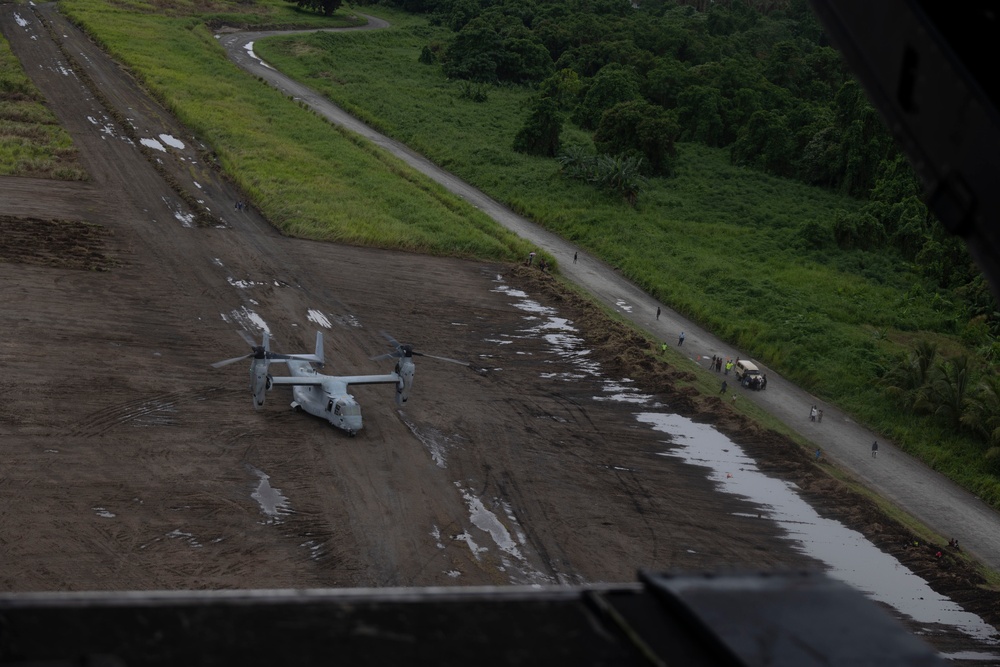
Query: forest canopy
point(755, 77)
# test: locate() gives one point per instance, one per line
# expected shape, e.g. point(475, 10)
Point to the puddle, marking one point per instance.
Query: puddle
point(512, 561)
point(622, 392)
point(487, 521)
point(154, 144)
point(249, 48)
point(172, 141)
point(849, 556)
point(186, 219)
point(104, 125)
point(271, 501)
point(348, 321)
point(473, 547)
point(623, 305)
point(435, 442)
point(315, 549)
point(179, 534)
point(250, 320)
point(436, 534)
point(243, 284)
point(319, 318)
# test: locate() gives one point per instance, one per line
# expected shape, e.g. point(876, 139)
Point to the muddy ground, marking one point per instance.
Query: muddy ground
point(129, 463)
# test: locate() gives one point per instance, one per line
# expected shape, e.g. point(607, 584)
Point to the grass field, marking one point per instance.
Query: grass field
point(31, 141)
point(309, 178)
point(749, 256)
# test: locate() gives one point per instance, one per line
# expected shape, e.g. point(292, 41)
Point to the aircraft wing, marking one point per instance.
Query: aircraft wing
point(390, 378)
point(338, 380)
point(297, 381)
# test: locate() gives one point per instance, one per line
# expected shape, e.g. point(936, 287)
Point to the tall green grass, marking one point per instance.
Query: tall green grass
point(31, 141)
point(305, 175)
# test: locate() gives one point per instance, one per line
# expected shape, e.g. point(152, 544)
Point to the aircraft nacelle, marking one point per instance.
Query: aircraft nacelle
point(260, 381)
point(405, 370)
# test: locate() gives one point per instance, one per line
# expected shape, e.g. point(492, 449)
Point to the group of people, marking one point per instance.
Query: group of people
point(815, 414)
point(755, 382)
point(542, 264)
point(717, 364)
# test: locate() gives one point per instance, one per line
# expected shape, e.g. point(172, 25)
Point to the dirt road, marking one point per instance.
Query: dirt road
point(907, 482)
point(129, 463)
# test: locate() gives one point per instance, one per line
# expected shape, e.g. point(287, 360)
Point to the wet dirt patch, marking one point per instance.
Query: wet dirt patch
point(64, 244)
point(624, 353)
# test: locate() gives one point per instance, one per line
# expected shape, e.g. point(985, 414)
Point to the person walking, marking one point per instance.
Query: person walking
point(718, 365)
point(819, 453)
point(663, 348)
point(657, 312)
point(875, 449)
point(812, 413)
point(725, 385)
point(819, 416)
point(574, 256)
point(680, 340)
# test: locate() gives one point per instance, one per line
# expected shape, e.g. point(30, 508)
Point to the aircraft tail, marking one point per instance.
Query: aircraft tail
point(319, 349)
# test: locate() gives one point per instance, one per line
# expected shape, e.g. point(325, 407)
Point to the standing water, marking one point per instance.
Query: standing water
point(849, 556)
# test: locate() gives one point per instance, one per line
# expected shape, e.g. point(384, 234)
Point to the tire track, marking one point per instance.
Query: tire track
point(156, 410)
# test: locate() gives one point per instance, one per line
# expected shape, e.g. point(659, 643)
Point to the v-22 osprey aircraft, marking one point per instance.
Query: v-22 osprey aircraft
point(325, 396)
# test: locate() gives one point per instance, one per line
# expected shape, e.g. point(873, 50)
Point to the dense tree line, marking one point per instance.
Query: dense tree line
point(756, 77)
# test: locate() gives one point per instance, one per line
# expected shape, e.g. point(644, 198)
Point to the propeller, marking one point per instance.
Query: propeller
point(404, 350)
point(262, 351)
point(220, 364)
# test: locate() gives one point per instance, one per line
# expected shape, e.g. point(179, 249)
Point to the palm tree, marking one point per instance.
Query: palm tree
point(948, 391)
point(908, 382)
point(983, 413)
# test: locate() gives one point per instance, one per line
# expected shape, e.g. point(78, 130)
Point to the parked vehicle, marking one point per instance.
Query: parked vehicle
point(746, 369)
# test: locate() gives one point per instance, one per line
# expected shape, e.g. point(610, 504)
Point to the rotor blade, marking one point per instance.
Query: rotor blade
point(247, 337)
point(387, 355)
point(392, 340)
point(454, 361)
point(220, 364)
